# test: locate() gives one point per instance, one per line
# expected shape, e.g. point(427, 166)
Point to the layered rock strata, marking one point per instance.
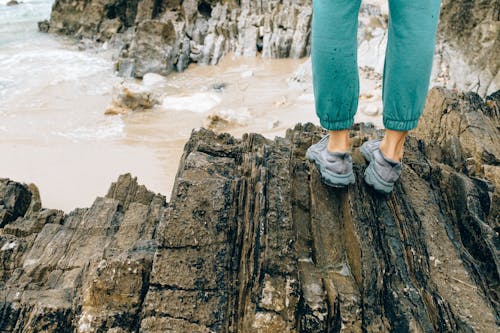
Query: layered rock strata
point(253, 241)
point(469, 40)
point(161, 36)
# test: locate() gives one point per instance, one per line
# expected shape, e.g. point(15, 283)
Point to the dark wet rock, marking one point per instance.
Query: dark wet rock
point(462, 130)
point(44, 26)
point(253, 241)
point(219, 87)
point(13, 3)
point(15, 200)
point(89, 268)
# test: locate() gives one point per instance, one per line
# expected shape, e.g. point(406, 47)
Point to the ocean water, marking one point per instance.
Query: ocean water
point(18, 23)
point(41, 75)
point(53, 131)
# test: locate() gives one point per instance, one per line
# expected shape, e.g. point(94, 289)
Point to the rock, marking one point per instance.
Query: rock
point(461, 128)
point(15, 200)
point(252, 241)
point(131, 97)
point(274, 124)
point(153, 48)
point(492, 174)
point(80, 271)
point(36, 202)
point(219, 87)
point(109, 28)
point(161, 36)
point(492, 109)
point(224, 119)
point(44, 26)
point(13, 3)
point(469, 37)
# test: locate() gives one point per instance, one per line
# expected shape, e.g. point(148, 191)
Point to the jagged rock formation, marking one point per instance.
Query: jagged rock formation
point(252, 241)
point(469, 42)
point(160, 36)
point(90, 268)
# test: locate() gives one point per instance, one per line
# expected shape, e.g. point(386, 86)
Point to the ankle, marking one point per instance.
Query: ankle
point(338, 146)
point(391, 152)
point(393, 144)
point(339, 141)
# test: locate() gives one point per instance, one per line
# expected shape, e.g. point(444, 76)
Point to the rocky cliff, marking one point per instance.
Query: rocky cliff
point(162, 36)
point(252, 241)
point(469, 41)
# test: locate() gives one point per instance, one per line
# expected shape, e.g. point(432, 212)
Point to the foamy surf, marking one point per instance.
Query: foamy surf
point(197, 102)
point(19, 22)
point(111, 128)
point(26, 67)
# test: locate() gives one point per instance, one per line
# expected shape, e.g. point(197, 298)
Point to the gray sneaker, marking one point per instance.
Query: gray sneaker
point(382, 172)
point(335, 167)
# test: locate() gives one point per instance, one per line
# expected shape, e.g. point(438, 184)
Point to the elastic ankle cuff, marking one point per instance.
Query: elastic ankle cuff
point(400, 125)
point(337, 125)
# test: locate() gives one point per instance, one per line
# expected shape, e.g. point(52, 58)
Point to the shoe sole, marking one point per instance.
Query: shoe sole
point(330, 178)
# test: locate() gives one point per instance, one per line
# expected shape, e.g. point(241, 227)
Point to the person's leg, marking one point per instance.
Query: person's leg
point(392, 144)
point(339, 141)
point(407, 68)
point(334, 67)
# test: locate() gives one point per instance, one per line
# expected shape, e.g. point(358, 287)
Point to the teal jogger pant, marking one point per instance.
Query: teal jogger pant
point(407, 67)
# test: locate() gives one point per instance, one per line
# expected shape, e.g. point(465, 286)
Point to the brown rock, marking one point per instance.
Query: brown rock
point(131, 98)
point(470, 31)
point(44, 26)
point(15, 200)
point(459, 130)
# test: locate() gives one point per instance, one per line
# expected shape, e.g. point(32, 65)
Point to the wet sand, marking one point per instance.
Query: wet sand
point(70, 176)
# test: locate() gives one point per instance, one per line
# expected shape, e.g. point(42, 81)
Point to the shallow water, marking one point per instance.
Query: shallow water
point(52, 128)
